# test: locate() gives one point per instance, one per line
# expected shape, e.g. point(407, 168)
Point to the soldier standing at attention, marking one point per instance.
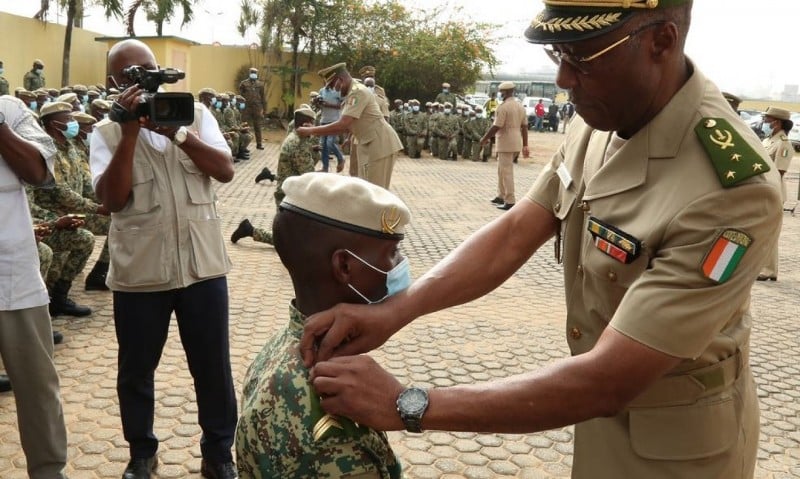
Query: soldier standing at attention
point(781, 152)
point(34, 78)
point(511, 127)
point(416, 129)
point(667, 206)
point(296, 158)
point(252, 89)
point(282, 431)
point(376, 142)
point(445, 96)
point(3, 81)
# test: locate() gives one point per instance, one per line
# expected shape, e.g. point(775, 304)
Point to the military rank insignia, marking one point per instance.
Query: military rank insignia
point(614, 242)
point(733, 158)
point(725, 255)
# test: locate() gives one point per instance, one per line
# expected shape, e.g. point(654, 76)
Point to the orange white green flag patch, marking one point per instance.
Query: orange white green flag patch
point(725, 255)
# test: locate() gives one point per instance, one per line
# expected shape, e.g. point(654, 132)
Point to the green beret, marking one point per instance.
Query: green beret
point(55, 107)
point(346, 202)
point(68, 98)
point(566, 21)
point(84, 118)
point(327, 74)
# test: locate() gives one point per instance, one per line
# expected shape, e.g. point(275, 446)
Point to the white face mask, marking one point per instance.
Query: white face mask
point(253, 76)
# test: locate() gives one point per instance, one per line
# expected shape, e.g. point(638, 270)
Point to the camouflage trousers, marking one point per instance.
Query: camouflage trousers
point(460, 145)
point(481, 153)
point(466, 149)
point(45, 258)
point(98, 225)
point(434, 144)
point(415, 144)
point(71, 250)
point(448, 148)
point(233, 142)
point(254, 118)
point(262, 236)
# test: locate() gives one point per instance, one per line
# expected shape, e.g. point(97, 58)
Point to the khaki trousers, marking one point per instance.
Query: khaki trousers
point(353, 169)
point(26, 346)
point(505, 177)
point(377, 171)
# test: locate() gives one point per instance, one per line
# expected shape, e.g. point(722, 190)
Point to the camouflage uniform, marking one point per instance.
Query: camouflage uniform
point(255, 104)
point(448, 128)
point(3, 86)
point(245, 137)
point(296, 158)
point(45, 258)
point(32, 80)
point(415, 126)
point(73, 193)
point(433, 131)
point(275, 434)
point(228, 125)
point(482, 152)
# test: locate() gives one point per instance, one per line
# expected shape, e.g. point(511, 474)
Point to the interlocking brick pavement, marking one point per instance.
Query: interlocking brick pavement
point(517, 328)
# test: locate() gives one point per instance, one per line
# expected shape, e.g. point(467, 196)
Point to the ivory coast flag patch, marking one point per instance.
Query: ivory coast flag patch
point(725, 255)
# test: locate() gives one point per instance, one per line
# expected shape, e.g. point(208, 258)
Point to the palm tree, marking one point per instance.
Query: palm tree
point(158, 11)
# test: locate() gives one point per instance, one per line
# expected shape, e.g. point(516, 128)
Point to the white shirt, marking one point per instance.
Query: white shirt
point(100, 154)
point(21, 285)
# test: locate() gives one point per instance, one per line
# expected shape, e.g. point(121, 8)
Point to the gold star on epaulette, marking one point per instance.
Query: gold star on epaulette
point(733, 158)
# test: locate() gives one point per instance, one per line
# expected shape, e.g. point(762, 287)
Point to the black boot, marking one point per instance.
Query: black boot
point(244, 229)
point(61, 304)
point(265, 175)
point(58, 338)
point(96, 279)
point(243, 155)
point(5, 383)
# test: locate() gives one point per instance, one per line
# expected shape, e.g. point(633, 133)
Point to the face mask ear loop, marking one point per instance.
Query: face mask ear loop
point(366, 263)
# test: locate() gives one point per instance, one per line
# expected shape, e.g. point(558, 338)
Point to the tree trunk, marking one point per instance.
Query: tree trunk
point(78, 22)
point(160, 27)
point(132, 16)
point(296, 85)
point(67, 42)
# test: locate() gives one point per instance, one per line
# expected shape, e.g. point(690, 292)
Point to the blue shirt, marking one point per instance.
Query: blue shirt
point(329, 115)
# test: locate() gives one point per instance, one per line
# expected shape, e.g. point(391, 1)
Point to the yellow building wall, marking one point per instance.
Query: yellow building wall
point(205, 65)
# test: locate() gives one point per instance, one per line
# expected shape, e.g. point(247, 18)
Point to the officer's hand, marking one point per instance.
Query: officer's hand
point(345, 329)
point(40, 231)
point(526, 152)
point(303, 131)
point(102, 210)
point(68, 223)
point(359, 388)
point(130, 99)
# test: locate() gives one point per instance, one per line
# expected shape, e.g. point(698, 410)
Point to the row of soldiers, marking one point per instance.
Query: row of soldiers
point(227, 108)
point(446, 131)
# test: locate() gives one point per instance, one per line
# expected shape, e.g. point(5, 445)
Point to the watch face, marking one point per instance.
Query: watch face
point(413, 401)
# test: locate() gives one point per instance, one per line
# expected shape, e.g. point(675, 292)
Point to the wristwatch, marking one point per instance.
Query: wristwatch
point(411, 404)
point(180, 136)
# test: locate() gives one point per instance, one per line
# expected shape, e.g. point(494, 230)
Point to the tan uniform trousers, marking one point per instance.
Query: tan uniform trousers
point(378, 171)
point(771, 268)
point(505, 177)
point(353, 161)
point(26, 346)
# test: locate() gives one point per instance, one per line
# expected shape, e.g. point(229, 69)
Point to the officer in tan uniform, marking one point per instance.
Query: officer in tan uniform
point(376, 142)
point(781, 152)
point(663, 206)
point(383, 102)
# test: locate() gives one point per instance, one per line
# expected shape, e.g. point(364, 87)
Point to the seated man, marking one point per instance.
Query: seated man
point(354, 258)
point(296, 158)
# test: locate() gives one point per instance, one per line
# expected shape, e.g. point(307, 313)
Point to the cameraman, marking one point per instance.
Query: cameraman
point(167, 255)
point(330, 101)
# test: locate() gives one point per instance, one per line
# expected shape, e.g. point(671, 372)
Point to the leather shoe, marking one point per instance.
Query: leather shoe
point(764, 277)
point(140, 468)
point(265, 175)
point(217, 470)
point(58, 338)
point(259, 147)
point(5, 384)
point(505, 206)
point(497, 200)
point(244, 229)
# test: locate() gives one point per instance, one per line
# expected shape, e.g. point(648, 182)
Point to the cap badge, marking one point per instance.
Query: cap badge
point(389, 220)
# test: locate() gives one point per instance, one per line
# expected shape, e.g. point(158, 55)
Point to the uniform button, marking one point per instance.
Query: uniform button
point(584, 206)
point(558, 206)
point(612, 276)
point(579, 269)
point(575, 333)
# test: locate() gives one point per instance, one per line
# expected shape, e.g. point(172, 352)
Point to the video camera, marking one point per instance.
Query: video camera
point(163, 109)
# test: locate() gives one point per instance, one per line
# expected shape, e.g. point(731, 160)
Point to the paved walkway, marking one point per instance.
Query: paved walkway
point(517, 328)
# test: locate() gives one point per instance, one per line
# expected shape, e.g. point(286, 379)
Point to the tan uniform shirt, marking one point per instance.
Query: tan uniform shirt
point(661, 188)
point(780, 150)
point(510, 118)
point(376, 138)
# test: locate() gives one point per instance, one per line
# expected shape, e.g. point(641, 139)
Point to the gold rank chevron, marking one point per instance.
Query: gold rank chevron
point(604, 3)
point(580, 23)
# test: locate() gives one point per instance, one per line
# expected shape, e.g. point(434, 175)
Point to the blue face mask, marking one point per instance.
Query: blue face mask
point(39, 71)
point(447, 111)
point(241, 106)
point(34, 105)
point(445, 90)
point(72, 129)
point(766, 128)
point(253, 76)
point(2, 70)
point(415, 108)
point(217, 104)
point(397, 279)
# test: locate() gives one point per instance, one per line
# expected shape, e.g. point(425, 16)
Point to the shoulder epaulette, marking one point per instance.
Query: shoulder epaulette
point(733, 158)
point(784, 137)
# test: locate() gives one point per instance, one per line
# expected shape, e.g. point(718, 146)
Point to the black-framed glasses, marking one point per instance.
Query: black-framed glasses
point(582, 63)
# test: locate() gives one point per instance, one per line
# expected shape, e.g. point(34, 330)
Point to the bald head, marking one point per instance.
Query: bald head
point(124, 54)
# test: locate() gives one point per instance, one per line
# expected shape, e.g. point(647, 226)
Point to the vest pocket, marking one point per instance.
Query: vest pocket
point(143, 196)
point(684, 432)
point(209, 257)
point(137, 255)
point(198, 184)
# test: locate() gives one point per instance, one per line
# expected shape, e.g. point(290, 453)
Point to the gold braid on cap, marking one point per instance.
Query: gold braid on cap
point(581, 24)
point(389, 220)
point(604, 3)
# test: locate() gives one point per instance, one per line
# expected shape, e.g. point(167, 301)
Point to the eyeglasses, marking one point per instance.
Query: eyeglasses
point(582, 63)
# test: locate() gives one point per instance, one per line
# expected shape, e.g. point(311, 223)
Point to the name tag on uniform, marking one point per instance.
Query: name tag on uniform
point(614, 242)
point(563, 175)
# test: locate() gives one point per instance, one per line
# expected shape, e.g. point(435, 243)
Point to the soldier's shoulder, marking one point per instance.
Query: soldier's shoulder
point(732, 155)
